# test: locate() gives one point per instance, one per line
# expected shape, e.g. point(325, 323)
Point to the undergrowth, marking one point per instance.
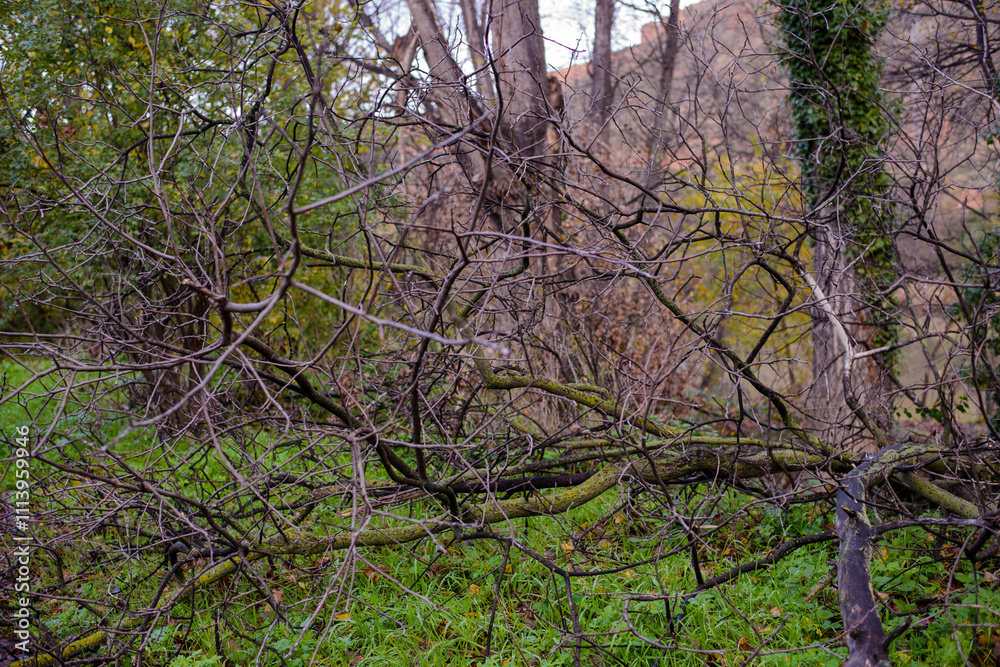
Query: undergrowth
point(439, 602)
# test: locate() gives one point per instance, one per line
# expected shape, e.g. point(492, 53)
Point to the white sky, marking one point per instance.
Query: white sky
point(569, 25)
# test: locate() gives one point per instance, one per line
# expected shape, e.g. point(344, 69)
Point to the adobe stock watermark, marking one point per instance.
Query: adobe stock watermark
point(20, 556)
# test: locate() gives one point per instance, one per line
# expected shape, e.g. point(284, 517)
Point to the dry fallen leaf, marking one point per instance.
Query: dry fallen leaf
point(775, 612)
point(745, 645)
point(342, 617)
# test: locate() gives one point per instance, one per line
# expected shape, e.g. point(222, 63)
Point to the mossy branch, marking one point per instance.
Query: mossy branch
point(667, 465)
point(597, 401)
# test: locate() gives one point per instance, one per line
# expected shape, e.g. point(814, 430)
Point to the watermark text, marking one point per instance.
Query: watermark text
point(20, 556)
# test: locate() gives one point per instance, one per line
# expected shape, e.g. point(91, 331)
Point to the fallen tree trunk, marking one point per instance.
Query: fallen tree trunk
point(866, 639)
point(862, 625)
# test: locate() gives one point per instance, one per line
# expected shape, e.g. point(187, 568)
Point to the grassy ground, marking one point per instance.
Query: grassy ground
point(429, 605)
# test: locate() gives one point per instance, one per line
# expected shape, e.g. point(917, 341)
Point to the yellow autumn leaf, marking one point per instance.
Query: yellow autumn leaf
point(342, 617)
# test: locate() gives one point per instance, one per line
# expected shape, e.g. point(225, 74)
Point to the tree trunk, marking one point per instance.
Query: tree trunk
point(826, 396)
point(840, 126)
point(436, 49)
point(476, 41)
point(523, 86)
point(668, 59)
point(601, 74)
point(669, 43)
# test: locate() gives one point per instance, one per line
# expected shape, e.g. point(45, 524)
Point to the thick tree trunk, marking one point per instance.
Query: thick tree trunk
point(828, 402)
point(436, 49)
point(837, 106)
point(865, 635)
point(523, 86)
point(826, 396)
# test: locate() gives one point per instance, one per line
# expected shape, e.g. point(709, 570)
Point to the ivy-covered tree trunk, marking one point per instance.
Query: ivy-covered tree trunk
point(842, 123)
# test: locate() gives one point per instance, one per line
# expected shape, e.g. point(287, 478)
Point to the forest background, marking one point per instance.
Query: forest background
point(346, 333)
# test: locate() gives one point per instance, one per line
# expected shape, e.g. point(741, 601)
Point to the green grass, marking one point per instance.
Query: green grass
point(416, 604)
point(373, 622)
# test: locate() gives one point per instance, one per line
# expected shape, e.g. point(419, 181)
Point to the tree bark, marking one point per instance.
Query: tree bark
point(523, 86)
point(836, 102)
point(826, 396)
point(669, 47)
point(476, 41)
point(865, 635)
point(439, 58)
point(601, 74)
